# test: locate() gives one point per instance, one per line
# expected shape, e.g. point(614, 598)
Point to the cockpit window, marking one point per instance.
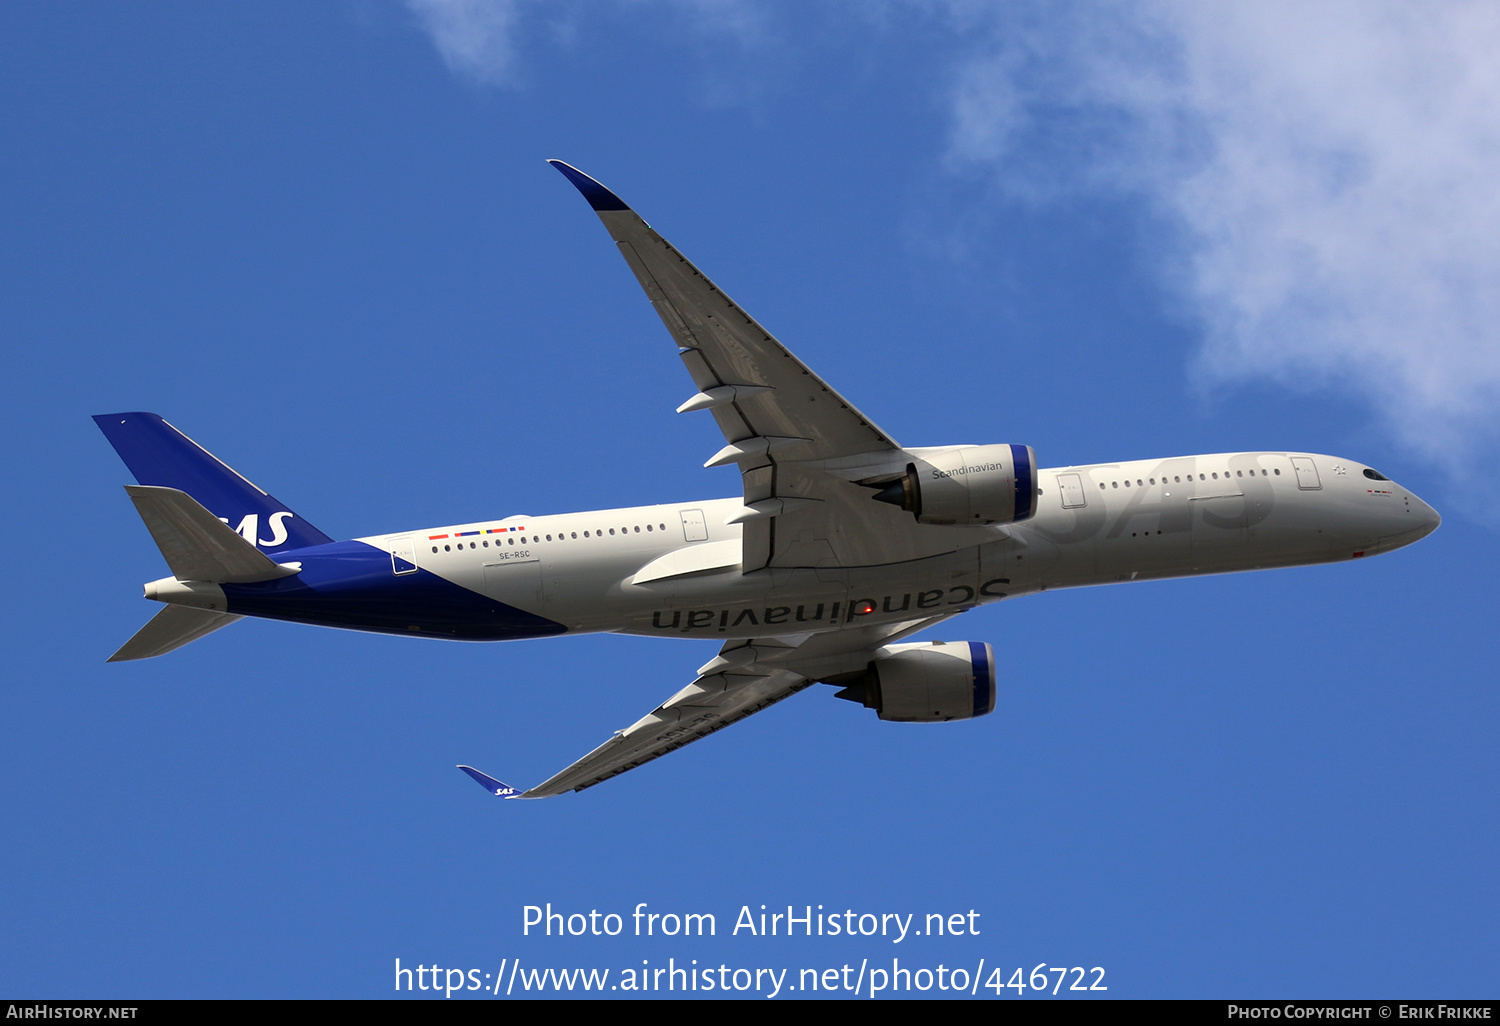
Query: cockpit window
point(1375, 475)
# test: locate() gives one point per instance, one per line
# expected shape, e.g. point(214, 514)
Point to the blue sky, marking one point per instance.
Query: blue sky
point(322, 240)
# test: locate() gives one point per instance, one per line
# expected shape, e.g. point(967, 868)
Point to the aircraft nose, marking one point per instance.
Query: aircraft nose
point(1427, 517)
point(1415, 521)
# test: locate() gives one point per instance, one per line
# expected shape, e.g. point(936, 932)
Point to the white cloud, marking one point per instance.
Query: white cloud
point(1326, 171)
point(1331, 170)
point(474, 37)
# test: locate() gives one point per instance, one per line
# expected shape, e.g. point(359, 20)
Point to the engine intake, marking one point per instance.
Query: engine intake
point(927, 682)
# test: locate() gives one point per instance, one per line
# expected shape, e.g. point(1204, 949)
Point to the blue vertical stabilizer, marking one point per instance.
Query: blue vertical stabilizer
point(158, 454)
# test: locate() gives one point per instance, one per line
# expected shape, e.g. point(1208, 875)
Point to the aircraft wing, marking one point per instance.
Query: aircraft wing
point(754, 386)
point(781, 422)
point(745, 677)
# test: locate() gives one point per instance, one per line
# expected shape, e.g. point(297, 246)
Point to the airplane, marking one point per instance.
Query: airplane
point(842, 543)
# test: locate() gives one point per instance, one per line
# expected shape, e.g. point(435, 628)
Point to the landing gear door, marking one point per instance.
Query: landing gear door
point(1307, 473)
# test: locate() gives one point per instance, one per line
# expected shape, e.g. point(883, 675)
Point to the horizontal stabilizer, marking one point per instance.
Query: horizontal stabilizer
point(197, 545)
point(490, 784)
point(170, 629)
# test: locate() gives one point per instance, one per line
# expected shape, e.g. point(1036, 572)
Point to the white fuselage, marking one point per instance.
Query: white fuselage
point(673, 570)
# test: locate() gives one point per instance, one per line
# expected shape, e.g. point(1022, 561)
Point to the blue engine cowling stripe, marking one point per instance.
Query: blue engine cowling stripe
point(1025, 482)
point(984, 677)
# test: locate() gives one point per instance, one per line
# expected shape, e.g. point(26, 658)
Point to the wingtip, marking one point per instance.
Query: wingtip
point(490, 784)
point(599, 197)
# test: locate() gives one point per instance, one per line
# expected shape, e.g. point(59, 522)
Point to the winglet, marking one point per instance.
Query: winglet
point(490, 784)
point(598, 196)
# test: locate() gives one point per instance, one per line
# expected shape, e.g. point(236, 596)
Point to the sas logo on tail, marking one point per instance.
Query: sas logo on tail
point(249, 528)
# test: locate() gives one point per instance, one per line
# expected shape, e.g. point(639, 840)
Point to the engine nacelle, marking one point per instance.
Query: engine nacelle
point(967, 484)
point(927, 682)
